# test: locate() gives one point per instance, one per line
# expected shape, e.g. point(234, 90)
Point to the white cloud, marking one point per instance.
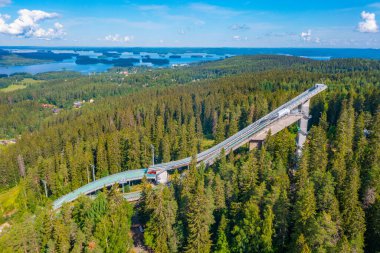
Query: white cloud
point(239, 27)
point(28, 25)
point(238, 38)
point(5, 16)
point(5, 2)
point(368, 23)
point(306, 36)
point(51, 33)
point(128, 38)
point(118, 38)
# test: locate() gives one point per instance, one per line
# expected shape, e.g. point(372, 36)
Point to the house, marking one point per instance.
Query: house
point(7, 142)
point(4, 226)
point(56, 110)
point(126, 73)
point(47, 106)
point(78, 104)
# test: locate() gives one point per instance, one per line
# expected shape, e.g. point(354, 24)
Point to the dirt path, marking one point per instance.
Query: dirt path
point(137, 235)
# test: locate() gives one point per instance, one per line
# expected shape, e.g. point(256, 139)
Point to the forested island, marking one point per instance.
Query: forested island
point(266, 200)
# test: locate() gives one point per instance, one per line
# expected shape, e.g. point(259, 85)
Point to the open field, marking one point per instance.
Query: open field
point(13, 87)
point(30, 81)
point(8, 200)
point(21, 85)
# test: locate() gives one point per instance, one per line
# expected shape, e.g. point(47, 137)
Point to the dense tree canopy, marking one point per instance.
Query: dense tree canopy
point(268, 200)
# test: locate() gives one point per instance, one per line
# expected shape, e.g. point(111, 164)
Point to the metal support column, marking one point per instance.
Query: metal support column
point(93, 172)
point(302, 124)
point(45, 187)
point(255, 144)
point(152, 147)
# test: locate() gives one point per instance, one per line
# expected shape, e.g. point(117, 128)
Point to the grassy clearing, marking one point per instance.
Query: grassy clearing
point(136, 188)
point(30, 81)
point(13, 87)
point(207, 143)
point(8, 200)
point(26, 82)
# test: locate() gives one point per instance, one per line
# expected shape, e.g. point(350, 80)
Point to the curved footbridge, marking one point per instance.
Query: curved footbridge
point(295, 110)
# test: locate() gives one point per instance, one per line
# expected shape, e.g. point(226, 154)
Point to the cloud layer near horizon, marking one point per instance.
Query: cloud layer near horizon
point(118, 38)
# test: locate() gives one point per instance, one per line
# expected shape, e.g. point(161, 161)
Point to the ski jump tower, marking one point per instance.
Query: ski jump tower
point(300, 115)
point(295, 110)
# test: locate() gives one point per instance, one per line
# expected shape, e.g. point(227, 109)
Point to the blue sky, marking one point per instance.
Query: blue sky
point(239, 23)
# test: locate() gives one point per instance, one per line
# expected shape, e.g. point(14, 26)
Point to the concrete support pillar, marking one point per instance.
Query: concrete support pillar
point(302, 124)
point(255, 144)
point(162, 178)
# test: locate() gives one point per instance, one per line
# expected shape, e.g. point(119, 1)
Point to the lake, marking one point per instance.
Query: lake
point(174, 56)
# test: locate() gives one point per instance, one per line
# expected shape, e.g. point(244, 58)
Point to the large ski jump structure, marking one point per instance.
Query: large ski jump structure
point(295, 110)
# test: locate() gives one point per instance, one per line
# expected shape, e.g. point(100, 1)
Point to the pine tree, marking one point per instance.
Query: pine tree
point(305, 204)
point(133, 152)
point(264, 162)
point(222, 162)
point(301, 245)
point(221, 245)
point(220, 132)
point(199, 219)
point(146, 200)
point(160, 234)
point(267, 231)
point(44, 227)
point(233, 125)
point(101, 159)
point(247, 178)
point(371, 188)
point(219, 193)
point(281, 221)
point(199, 127)
point(72, 164)
point(371, 168)
point(318, 150)
point(165, 149)
point(323, 181)
point(113, 153)
point(61, 236)
point(246, 233)
point(112, 231)
point(183, 144)
point(352, 212)
point(145, 151)
point(192, 137)
point(343, 145)
point(158, 131)
point(325, 195)
point(324, 233)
